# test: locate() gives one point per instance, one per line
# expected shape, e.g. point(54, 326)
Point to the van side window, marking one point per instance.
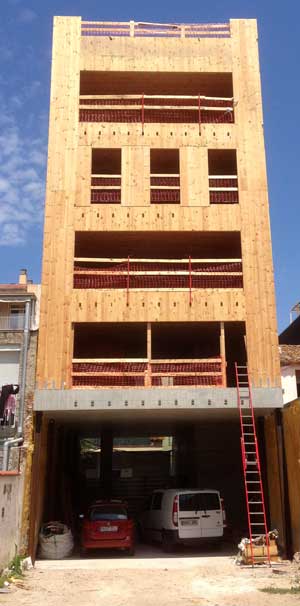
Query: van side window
point(157, 499)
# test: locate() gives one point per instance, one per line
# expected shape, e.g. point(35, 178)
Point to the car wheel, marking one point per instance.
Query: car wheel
point(167, 544)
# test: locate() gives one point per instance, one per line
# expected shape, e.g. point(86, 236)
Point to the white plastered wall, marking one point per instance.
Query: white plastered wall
point(289, 383)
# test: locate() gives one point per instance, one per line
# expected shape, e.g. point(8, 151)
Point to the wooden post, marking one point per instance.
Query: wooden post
point(149, 354)
point(223, 353)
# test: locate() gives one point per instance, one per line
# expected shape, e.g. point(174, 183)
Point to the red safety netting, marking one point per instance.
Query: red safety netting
point(224, 197)
point(149, 102)
point(203, 266)
point(163, 196)
point(156, 115)
point(102, 196)
point(161, 374)
point(165, 181)
point(156, 281)
point(204, 381)
point(106, 180)
point(222, 182)
point(189, 275)
point(117, 367)
point(186, 367)
point(108, 381)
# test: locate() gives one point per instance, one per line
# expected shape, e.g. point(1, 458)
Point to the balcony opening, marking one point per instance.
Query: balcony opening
point(164, 176)
point(165, 354)
point(223, 179)
point(147, 97)
point(106, 176)
point(158, 260)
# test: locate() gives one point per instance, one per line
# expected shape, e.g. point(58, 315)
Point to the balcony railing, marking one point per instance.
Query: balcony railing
point(143, 109)
point(139, 372)
point(106, 189)
point(157, 274)
point(223, 189)
point(165, 188)
point(12, 322)
point(157, 30)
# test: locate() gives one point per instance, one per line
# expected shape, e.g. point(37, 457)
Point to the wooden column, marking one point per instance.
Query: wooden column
point(223, 353)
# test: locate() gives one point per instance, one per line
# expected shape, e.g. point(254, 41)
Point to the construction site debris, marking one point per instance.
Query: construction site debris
point(56, 541)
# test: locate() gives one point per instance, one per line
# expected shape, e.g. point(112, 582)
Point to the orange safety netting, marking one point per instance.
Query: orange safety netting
point(165, 196)
point(106, 180)
point(167, 275)
point(224, 197)
point(157, 374)
point(111, 196)
point(156, 115)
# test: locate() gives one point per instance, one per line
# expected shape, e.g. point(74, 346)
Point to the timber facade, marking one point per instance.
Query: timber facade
point(157, 262)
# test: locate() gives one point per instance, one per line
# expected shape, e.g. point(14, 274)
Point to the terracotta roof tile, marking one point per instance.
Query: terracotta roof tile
point(289, 354)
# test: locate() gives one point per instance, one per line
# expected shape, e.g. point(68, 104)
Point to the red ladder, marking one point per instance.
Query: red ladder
point(256, 511)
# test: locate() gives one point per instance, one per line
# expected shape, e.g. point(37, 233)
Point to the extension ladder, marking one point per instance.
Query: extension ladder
point(256, 512)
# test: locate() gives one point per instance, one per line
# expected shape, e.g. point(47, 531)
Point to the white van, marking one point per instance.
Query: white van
point(178, 515)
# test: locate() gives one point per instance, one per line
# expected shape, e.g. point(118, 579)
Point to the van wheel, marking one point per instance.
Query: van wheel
point(167, 544)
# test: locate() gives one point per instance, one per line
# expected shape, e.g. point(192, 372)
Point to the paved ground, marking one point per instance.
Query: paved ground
point(151, 579)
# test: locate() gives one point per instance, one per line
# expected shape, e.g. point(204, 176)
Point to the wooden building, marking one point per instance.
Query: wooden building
point(157, 263)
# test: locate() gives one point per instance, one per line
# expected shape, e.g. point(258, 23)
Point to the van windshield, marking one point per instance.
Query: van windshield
point(199, 501)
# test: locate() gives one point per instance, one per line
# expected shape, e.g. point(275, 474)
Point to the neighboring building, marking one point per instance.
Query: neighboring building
point(289, 348)
point(157, 271)
point(19, 317)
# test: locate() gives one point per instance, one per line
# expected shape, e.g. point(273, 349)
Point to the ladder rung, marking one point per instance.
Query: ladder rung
point(252, 471)
point(257, 524)
point(256, 513)
point(255, 502)
point(254, 491)
point(253, 481)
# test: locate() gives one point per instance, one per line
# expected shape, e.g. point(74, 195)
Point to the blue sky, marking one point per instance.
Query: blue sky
point(25, 54)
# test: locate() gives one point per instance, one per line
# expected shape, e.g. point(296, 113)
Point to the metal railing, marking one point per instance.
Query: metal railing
point(12, 322)
point(136, 29)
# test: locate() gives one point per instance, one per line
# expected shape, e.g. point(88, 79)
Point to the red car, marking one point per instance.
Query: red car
point(108, 526)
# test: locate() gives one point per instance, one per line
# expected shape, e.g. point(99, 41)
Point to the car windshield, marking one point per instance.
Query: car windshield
point(107, 512)
point(199, 501)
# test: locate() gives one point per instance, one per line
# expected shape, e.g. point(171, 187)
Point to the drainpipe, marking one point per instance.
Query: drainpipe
point(7, 445)
point(11, 442)
point(24, 368)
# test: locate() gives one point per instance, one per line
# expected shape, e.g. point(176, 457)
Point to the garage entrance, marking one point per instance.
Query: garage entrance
point(129, 456)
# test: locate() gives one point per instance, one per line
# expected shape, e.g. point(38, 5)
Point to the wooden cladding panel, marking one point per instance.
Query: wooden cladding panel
point(209, 305)
point(159, 217)
point(54, 352)
point(155, 55)
point(261, 328)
